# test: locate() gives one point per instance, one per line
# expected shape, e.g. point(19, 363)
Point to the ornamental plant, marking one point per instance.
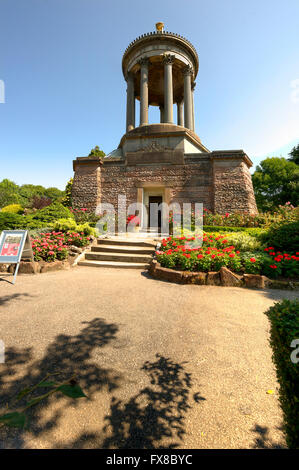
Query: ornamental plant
point(13, 209)
point(284, 321)
point(65, 225)
point(134, 220)
point(217, 251)
point(16, 414)
point(84, 215)
point(282, 214)
point(54, 245)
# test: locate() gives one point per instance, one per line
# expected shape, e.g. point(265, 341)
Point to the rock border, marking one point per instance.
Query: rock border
point(40, 267)
point(224, 277)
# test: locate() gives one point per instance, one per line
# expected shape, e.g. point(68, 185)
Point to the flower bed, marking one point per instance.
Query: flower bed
point(52, 251)
point(185, 254)
point(55, 245)
point(243, 220)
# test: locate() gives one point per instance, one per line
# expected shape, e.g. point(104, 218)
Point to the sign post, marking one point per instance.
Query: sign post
point(14, 246)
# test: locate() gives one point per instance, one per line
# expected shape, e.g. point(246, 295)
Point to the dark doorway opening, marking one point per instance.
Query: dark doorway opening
point(151, 201)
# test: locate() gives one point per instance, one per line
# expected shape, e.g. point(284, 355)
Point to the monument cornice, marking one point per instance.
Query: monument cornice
point(162, 131)
point(160, 36)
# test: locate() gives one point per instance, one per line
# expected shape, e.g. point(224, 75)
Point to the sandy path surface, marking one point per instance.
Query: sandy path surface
point(162, 364)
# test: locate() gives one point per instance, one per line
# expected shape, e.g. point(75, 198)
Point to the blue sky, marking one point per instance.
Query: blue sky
point(60, 62)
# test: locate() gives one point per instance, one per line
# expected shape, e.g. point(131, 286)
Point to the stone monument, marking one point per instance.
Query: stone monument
point(165, 161)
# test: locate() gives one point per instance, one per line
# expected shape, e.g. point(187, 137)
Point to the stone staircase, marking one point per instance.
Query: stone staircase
point(119, 253)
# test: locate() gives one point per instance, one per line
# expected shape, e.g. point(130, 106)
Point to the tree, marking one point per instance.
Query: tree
point(276, 181)
point(28, 191)
point(55, 194)
point(294, 155)
point(8, 193)
point(97, 152)
point(67, 200)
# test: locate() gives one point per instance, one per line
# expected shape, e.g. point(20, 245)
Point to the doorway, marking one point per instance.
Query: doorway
point(154, 200)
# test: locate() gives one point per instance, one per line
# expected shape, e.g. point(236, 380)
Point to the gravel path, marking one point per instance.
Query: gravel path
point(162, 364)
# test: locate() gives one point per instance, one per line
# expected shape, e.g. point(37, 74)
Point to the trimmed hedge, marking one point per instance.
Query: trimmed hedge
point(253, 231)
point(284, 318)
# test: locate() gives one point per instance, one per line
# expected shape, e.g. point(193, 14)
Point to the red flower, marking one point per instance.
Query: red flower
point(199, 256)
point(253, 260)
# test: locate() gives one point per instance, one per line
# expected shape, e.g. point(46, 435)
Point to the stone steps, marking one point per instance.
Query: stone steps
point(124, 249)
point(119, 253)
point(116, 256)
point(124, 242)
point(113, 264)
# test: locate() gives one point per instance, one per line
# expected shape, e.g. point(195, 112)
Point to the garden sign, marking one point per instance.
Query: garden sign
point(14, 246)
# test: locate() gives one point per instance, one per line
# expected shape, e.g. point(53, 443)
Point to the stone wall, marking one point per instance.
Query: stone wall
point(222, 182)
point(232, 187)
point(86, 190)
point(187, 183)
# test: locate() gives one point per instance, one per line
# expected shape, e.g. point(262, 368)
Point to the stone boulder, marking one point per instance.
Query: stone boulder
point(76, 249)
point(4, 268)
point(26, 267)
point(256, 280)
point(198, 278)
point(213, 279)
point(229, 278)
point(169, 275)
point(52, 266)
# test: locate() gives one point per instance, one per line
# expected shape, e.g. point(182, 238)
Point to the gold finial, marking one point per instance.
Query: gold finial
point(160, 26)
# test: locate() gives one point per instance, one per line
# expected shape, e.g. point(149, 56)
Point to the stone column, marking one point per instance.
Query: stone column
point(188, 72)
point(193, 122)
point(180, 110)
point(168, 88)
point(161, 113)
point(143, 90)
point(130, 102)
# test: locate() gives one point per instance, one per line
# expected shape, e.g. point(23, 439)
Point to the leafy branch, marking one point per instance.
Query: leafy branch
point(69, 388)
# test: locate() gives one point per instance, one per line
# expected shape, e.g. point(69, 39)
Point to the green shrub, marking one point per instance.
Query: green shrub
point(284, 318)
point(10, 221)
point(257, 266)
point(67, 200)
point(253, 231)
point(13, 209)
point(52, 213)
point(243, 241)
point(283, 237)
point(87, 229)
point(84, 215)
point(64, 225)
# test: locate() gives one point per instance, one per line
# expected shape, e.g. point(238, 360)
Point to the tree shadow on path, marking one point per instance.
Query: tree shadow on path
point(8, 298)
point(65, 355)
point(263, 440)
point(156, 413)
